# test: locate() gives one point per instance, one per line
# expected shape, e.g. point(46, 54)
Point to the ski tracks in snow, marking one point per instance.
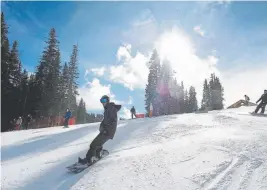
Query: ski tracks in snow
point(247, 168)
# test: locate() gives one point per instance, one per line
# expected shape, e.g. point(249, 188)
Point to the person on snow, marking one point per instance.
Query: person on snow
point(19, 123)
point(28, 120)
point(67, 117)
point(133, 112)
point(263, 103)
point(107, 131)
point(246, 100)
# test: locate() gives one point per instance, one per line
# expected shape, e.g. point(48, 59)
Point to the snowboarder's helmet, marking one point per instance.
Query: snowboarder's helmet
point(265, 91)
point(104, 99)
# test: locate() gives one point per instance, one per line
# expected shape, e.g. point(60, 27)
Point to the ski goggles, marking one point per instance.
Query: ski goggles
point(103, 100)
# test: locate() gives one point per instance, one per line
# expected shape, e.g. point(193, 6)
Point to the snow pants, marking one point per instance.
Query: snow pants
point(66, 122)
point(96, 146)
point(262, 105)
point(133, 114)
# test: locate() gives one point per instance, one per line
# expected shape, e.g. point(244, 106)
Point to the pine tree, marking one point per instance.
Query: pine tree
point(48, 77)
point(15, 65)
point(64, 87)
point(192, 101)
point(32, 96)
point(186, 102)
point(73, 77)
point(151, 95)
point(163, 88)
point(216, 93)
point(7, 89)
point(24, 90)
point(181, 99)
point(175, 95)
point(82, 114)
point(206, 99)
point(56, 81)
point(5, 58)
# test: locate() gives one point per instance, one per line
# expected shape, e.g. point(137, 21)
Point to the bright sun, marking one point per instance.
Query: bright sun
point(177, 48)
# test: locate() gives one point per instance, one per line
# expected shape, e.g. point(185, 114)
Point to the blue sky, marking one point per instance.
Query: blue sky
point(116, 39)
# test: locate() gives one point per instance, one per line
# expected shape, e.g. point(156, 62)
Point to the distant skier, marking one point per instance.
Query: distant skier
point(28, 120)
point(67, 117)
point(133, 112)
point(107, 130)
point(246, 100)
point(19, 123)
point(263, 102)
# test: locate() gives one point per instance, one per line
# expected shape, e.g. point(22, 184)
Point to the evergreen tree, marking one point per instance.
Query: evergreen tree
point(216, 93)
point(15, 66)
point(64, 87)
point(81, 112)
point(56, 82)
point(175, 95)
point(15, 79)
point(24, 90)
point(48, 77)
point(6, 87)
point(192, 101)
point(73, 77)
point(5, 58)
point(181, 99)
point(151, 95)
point(186, 102)
point(32, 96)
point(163, 86)
point(206, 99)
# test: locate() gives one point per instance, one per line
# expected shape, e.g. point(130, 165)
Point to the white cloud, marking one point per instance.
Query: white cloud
point(92, 92)
point(132, 71)
point(124, 52)
point(198, 29)
point(98, 71)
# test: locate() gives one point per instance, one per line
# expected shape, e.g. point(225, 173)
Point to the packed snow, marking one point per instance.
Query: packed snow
point(216, 150)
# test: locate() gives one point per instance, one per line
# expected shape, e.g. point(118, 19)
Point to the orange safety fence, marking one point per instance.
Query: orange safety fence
point(140, 115)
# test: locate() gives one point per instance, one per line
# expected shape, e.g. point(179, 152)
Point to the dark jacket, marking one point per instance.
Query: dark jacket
point(263, 98)
point(68, 115)
point(108, 125)
point(133, 110)
point(29, 119)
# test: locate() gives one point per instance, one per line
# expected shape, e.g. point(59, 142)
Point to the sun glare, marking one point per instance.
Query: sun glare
point(176, 47)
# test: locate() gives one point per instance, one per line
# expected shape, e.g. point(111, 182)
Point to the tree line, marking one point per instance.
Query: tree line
point(47, 92)
point(168, 96)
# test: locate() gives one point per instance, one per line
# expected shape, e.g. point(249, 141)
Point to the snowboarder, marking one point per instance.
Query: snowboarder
point(107, 131)
point(67, 117)
point(246, 100)
point(263, 102)
point(19, 123)
point(133, 112)
point(28, 120)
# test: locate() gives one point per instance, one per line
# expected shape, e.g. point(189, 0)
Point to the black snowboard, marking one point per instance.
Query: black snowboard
point(78, 167)
point(258, 114)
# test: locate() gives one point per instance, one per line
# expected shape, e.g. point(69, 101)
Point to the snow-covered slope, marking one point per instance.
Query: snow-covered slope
point(217, 150)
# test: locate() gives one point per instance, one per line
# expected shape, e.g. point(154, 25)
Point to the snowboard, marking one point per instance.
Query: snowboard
point(258, 114)
point(78, 167)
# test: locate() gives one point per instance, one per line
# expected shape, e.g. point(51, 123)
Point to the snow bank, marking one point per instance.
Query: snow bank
point(216, 150)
